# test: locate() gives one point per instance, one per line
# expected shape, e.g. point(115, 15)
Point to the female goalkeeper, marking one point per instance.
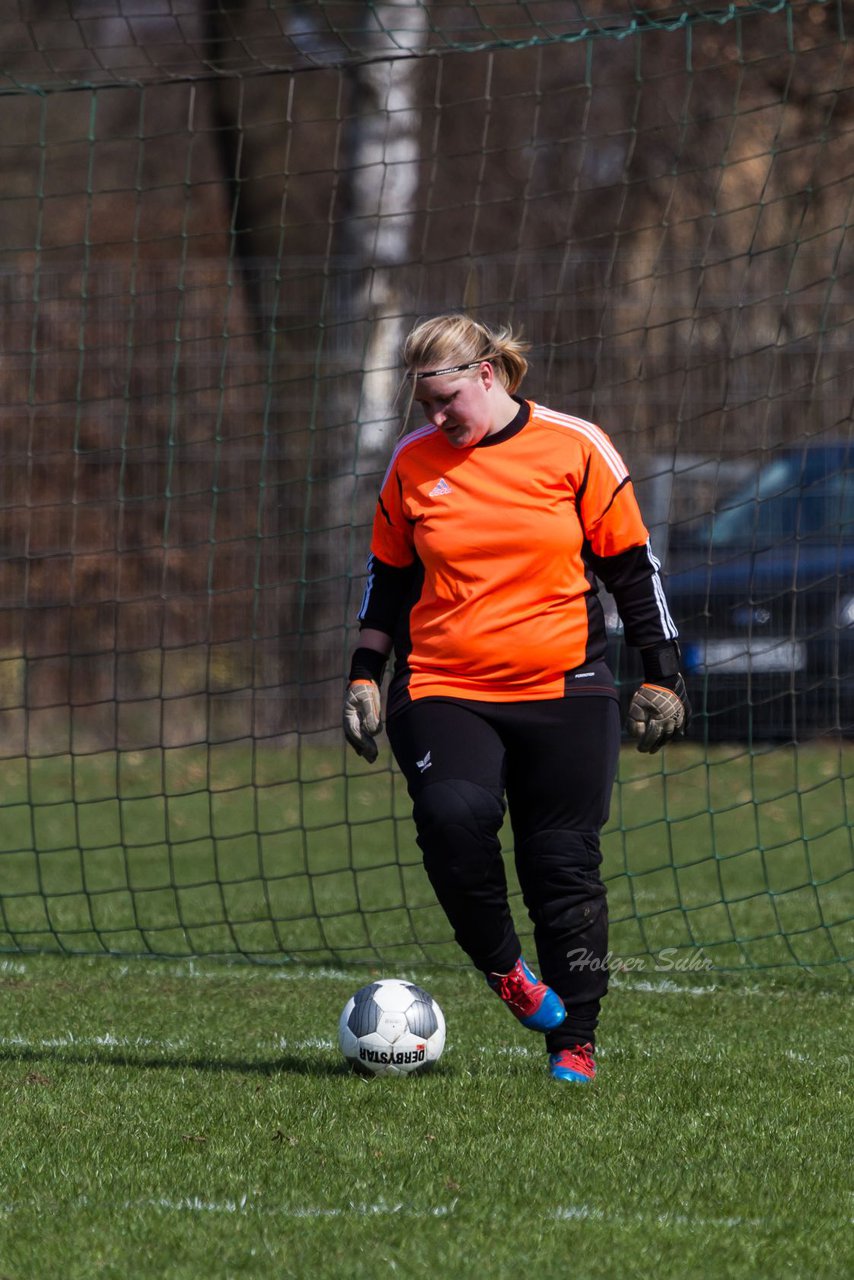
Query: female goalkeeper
point(494, 521)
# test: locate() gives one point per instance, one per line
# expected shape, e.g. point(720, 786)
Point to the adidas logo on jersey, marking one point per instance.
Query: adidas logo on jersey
point(440, 487)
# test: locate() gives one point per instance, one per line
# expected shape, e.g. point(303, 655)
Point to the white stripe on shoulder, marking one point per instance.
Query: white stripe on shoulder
point(591, 432)
point(427, 430)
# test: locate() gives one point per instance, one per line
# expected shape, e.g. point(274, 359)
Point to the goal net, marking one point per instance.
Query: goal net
point(217, 221)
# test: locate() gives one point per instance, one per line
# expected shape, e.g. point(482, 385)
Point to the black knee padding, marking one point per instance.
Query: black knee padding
point(453, 803)
point(579, 924)
point(559, 876)
point(457, 823)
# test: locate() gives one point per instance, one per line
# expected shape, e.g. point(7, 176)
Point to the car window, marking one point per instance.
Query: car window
point(776, 507)
point(764, 507)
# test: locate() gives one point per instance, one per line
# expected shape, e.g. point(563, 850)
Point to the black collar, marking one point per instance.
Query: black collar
point(512, 429)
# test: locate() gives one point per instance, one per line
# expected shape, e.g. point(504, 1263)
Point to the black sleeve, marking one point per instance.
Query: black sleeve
point(386, 591)
point(633, 580)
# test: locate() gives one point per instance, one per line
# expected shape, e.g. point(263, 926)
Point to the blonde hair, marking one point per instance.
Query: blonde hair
point(455, 339)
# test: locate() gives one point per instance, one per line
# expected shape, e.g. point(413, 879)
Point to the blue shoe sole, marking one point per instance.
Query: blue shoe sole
point(561, 1073)
point(550, 1014)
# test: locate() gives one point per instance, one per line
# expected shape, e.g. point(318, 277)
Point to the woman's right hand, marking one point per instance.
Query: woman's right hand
point(363, 717)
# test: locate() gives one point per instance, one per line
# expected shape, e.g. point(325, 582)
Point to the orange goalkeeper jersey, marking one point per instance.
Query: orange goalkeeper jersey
point(500, 538)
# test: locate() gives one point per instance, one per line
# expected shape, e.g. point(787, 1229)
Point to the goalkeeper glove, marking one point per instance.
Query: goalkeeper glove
point(660, 709)
point(362, 704)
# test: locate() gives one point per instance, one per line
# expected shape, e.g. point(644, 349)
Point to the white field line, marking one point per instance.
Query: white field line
point(191, 970)
point(804, 1060)
point(666, 987)
point(284, 973)
point(585, 1212)
point(528, 1051)
point(311, 1042)
point(245, 1205)
point(661, 986)
point(281, 1044)
point(69, 1040)
point(359, 975)
point(620, 1051)
point(198, 971)
point(197, 1204)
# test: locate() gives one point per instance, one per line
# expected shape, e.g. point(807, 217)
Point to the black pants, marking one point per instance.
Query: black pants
point(555, 763)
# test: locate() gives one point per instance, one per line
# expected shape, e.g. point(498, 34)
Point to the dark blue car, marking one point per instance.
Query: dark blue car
point(763, 594)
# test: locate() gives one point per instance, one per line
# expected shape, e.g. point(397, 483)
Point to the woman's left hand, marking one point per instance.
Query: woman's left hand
point(657, 714)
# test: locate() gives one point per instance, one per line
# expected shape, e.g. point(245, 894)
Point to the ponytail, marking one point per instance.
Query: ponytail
point(456, 339)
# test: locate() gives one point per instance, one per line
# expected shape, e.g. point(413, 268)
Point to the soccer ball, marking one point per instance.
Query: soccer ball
point(391, 1028)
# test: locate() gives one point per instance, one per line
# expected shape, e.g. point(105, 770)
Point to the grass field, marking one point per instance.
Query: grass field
point(240, 848)
point(193, 1119)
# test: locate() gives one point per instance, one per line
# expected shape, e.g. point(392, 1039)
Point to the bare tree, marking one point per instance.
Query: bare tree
point(383, 168)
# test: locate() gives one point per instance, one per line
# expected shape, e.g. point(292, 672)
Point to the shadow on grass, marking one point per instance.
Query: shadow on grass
point(288, 1064)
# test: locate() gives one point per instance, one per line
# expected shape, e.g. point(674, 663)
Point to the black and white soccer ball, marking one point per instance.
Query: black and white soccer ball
point(391, 1028)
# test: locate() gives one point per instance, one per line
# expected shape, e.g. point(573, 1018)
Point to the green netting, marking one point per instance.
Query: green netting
point(217, 221)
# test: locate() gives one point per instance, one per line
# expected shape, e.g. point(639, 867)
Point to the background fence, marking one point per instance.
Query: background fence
point(217, 221)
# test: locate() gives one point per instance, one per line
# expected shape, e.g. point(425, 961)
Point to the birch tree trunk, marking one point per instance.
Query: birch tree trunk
point(361, 323)
point(383, 184)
